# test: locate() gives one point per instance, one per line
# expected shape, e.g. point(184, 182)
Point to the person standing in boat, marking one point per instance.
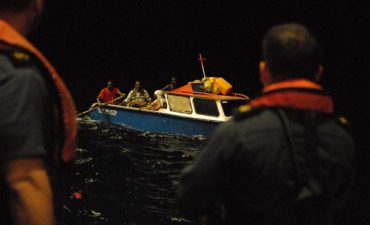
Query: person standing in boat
point(284, 159)
point(171, 85)
point(109, 93)
point(37, 127)
point(137, 97)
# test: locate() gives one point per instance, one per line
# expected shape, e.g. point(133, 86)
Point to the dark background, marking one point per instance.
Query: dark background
point(92, 41)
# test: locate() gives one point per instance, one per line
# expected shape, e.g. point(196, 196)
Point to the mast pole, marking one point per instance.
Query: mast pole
point(201, 59)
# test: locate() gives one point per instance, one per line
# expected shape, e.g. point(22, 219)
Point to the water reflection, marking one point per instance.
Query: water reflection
point(123, 176)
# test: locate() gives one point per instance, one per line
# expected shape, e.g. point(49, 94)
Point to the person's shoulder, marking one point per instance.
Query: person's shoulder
point(246, 111)
point(167, 87)
point(342, 122)
point(103, 90)
point(330, 119)
point(16, 59)
point(241, 114)
point(19, 68)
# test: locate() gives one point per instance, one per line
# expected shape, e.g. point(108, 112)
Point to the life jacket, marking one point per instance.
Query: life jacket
point(297, 94)
point(64, 112)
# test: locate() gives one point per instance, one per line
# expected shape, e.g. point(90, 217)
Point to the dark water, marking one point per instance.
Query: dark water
point(124, 176)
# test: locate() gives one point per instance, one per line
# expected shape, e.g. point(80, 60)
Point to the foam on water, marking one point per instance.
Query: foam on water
point(124, 176)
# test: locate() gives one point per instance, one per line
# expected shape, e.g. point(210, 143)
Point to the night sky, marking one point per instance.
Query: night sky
point(92, 41)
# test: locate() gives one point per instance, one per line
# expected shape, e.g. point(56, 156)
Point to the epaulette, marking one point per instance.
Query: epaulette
point(343, 122)
point(246, 111)
point(19, 59)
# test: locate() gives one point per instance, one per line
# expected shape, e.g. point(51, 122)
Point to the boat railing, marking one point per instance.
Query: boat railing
point(239, 95)
point(206, 93)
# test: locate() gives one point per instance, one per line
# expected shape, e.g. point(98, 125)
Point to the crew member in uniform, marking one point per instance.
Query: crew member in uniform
point(37, 120)
point(286, 158)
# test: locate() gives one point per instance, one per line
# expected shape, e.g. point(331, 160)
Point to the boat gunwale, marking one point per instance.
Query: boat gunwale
point(209, 96)
point(167, 113)
point(200, 95)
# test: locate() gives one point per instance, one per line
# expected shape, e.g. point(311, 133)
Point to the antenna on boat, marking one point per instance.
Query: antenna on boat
point(201, 59)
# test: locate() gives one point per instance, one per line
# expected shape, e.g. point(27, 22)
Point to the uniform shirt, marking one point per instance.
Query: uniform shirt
point(246, 165)
point(23, 108)
point(108, 95)
point(24, 114)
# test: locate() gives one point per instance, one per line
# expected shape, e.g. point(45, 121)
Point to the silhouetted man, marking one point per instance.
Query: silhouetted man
point(37, 119)
point(285, 158)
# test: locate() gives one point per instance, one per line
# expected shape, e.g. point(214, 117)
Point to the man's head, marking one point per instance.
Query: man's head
point(110, 84)
point(290, 51)
point(158, 94)
point(173, 80)
point(22, 14)
point(137, 85)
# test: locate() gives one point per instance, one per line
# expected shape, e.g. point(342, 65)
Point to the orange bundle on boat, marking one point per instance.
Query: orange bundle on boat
point(217, 85)
point(224, 86)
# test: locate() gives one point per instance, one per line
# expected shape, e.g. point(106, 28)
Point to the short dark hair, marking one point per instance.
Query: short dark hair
point(291, 50)
point(14, 5)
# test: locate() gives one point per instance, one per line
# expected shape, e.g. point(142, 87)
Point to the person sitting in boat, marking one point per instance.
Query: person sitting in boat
point(109, 94)
point(170, 86)
point(159, 101)
point(137, 97)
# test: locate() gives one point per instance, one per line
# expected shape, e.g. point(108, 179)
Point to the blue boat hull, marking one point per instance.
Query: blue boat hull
point(154, 121)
